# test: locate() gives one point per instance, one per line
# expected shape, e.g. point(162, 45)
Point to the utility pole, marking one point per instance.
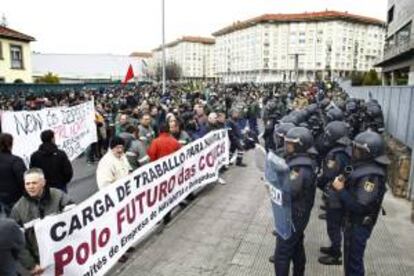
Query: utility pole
point(163, 48)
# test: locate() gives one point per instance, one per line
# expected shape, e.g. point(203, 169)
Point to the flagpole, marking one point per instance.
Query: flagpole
point(163, 47)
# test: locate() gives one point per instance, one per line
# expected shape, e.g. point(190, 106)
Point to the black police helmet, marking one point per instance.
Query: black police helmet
point(324, 103)
point(335, 114)
point(372, 146)
point(280, 132)
point(374, 110)
point(337, 132)
point(312, 109)
point(302, 138)
point(291, 118)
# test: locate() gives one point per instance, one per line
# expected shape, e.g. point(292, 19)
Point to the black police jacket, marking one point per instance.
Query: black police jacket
point(363, 196)
point(302, 176)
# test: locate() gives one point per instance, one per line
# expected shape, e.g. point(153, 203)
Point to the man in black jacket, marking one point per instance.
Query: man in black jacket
point(54, 162)
point(11, 243)
point(12, 169)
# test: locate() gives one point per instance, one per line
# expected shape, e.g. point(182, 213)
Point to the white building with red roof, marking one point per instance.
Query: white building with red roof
point(194, 54)
point(15, 56)
point(305, 46)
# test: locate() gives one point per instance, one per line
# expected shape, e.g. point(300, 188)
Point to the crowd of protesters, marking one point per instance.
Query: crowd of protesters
point(140, 124)
point(135, 125)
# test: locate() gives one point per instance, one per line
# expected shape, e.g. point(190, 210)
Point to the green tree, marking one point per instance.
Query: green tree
point(356, 78)
point(371, 78)
point(49, 78)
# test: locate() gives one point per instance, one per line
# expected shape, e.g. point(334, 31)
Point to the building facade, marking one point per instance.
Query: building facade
point(298, 47)
point(398, 61)
point(195, 56)
point(15, 56)
point(83, 68)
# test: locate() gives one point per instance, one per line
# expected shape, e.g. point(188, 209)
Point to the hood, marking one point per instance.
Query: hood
point(48, 148)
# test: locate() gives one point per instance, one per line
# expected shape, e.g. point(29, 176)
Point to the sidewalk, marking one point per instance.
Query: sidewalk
point(227, 231)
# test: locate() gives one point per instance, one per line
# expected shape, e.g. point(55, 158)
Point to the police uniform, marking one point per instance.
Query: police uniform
point(362, 197)
point(302, 180)
point(362, 201)
point(236, 140)
point(333, 165)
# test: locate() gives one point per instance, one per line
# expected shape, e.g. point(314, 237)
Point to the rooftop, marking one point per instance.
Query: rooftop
point(12, 34)
point(141, 55)
point(191, 39)
point(299, 17)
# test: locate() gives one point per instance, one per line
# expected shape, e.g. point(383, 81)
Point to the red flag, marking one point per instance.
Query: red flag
point(129, 75)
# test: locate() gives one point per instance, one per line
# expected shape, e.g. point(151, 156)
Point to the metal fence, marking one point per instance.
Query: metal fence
point(24, 88)
point(397, 103)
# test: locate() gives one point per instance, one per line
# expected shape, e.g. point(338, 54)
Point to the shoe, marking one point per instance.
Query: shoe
point(241, 164)
point(222, 181)
point(322, 216)
point(274, 233)
point(167, 218)
point(123, 259)
point(330, 260)
point(131, 249)
point(272, 259)
point(322, 207)
point(326, 250)
point(223, 169)
point(183, 203)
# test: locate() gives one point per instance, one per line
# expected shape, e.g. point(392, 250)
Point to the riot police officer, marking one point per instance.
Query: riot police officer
point(236, 137)
point(279, 137)
point(298, 150)
point(334, 164)
point(373, 117)
point(352, 117)
point(362, 197)
point(334, 114)
point(270, 118)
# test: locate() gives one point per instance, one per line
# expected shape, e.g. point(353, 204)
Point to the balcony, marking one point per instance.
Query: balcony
point(397, 50)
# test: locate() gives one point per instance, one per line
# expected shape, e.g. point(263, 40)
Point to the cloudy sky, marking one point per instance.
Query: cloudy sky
point(124, 26)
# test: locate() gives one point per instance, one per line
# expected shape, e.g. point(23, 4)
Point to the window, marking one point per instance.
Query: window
point(16, 56)
point(1, 51)
point(2, 80)
point(390, 15)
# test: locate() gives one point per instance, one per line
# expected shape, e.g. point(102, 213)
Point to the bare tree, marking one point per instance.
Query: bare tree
point(173, 71)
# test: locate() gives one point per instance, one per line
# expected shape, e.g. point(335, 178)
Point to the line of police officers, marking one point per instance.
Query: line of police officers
point(337, 148)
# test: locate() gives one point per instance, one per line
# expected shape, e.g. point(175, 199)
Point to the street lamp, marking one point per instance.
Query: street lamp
point(163, 47)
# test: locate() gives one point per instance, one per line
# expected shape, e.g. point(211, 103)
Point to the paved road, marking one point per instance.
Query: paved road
point(84, 180)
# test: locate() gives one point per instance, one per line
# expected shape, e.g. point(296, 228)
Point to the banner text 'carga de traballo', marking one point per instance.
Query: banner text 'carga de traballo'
point(74, 128)
point(89, 239)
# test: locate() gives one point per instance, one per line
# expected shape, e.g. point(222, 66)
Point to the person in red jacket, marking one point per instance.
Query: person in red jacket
point(163, 145)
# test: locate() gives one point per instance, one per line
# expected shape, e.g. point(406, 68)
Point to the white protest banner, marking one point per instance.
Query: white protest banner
point(74, 128)
point(89, 239)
